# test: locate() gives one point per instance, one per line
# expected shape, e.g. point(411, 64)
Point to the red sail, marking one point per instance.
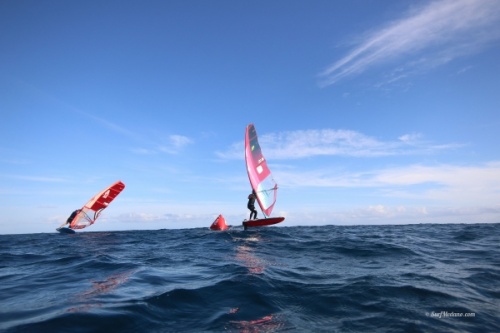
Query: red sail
point(93, 208)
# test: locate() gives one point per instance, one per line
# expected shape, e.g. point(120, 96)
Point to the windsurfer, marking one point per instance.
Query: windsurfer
point(251, 205)
point(72, 217)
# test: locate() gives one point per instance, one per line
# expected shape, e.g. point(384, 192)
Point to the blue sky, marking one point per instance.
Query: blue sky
point(368, 112)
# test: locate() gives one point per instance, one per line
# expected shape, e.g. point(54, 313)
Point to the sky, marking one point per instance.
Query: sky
point(368, 112)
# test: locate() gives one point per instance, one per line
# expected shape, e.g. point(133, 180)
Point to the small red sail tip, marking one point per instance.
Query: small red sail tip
point(219, 223)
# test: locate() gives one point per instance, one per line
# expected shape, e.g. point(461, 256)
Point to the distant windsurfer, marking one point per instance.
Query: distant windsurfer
point(251, 205)
point(71, 218)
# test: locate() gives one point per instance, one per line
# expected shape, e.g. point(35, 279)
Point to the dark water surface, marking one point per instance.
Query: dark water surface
point(413, 278)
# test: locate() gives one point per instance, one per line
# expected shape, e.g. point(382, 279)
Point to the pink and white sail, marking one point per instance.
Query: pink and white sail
point(260, 176)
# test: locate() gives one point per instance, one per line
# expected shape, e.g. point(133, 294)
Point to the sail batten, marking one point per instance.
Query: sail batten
point(258, 172)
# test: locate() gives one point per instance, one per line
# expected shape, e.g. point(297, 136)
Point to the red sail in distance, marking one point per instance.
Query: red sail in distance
point(93, 208)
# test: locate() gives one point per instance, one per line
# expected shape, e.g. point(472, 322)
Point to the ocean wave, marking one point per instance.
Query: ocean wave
point(421, 278)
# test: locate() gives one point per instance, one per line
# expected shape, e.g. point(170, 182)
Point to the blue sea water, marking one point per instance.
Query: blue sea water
point(393, 278)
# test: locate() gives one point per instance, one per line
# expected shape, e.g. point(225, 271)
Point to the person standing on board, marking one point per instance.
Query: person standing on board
point(71, 218)
point(251, 204)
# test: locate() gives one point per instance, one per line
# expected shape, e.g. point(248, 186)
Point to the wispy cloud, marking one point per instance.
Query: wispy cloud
point(14, 161)
point(382, 214)
point(175, 143)
point(444, 30)
point(144, 145)
point(331, 142)
point(142, 151)
point(35, 178)
point(476, 184)
point(110, 125)
point(70, 108)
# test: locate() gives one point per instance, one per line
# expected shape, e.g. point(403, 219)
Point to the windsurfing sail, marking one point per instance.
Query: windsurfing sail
point(260, 176)
point(92, 209)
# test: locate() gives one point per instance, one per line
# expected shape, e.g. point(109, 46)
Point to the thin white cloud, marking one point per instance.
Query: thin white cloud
point(409, 138)
point(445, 30)
point(36, 178)
point(172, 145)
point(330, 142)
point(110, 125)
point(142, 151)
point(179, 141)
point(68, 107)
point(234, 152)
point(14, 161)
point(454, 184)
point(383, 214)
point(139, 217)
point(478, 184)
point(175, 143)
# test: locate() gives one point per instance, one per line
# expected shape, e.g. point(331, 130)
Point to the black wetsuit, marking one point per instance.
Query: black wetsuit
point(251, 206)
point(72, 217)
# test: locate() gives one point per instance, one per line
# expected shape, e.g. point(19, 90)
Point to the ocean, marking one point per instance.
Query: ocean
point(387, 278)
